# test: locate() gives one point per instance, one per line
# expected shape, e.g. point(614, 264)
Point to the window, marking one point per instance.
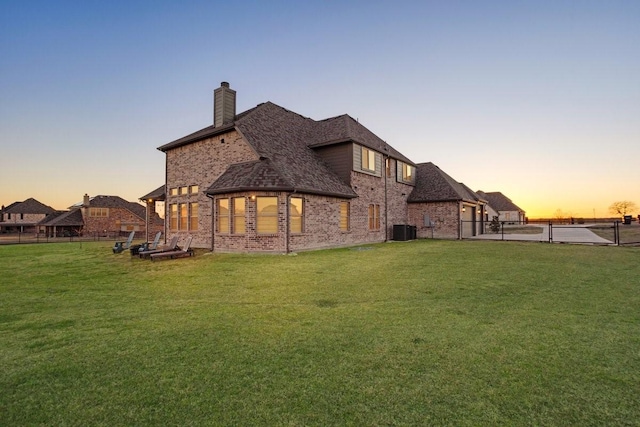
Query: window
point(387, 164)
point(267, 215)
point(183, 216)
point(368, 159)
point(295, 214)
point(173, 191)
point(193, 189)
point(183, 190)
point(239, 210)
point(173, 217)
point(374, 217)
point(193, 216)
point(98, 212)
point(406, 173)
point(223, 216)
point(344, 216)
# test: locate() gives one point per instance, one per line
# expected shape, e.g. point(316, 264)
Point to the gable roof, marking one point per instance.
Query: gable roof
point(29, 206)
point(434, 185)
point(499, 202)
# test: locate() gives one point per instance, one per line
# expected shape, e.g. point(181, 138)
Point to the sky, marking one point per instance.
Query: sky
point(539, 100)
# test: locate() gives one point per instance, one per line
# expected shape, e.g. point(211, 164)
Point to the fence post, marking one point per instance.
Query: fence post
point(550, 232)
point(616, 233)
point(502, 229)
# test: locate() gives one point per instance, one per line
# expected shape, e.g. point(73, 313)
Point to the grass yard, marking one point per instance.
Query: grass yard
point(408, 333)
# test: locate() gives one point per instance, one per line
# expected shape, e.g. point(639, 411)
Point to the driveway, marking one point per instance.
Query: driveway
point(561, 234)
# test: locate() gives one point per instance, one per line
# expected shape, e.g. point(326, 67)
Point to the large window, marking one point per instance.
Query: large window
point(223, 216)
point(368, 159)
point(193, 216)
point(344, 216)
point(267, 215)
point(239, 215)
point(173, 216)
point(296, 214)
point(184, 218)
point(374, 217)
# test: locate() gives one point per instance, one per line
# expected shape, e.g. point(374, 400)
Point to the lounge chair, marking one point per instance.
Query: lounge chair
point(136, 249)
point(181, 253)
point(119, 247)
point(172, 246)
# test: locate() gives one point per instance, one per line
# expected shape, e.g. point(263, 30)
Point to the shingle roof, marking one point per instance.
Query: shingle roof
point(29, 206)
point(157, 194)
point(286, 139)
point(345, 128)
point(499, 201)
point(115, 202)
point(433, 184)
point(72, 218)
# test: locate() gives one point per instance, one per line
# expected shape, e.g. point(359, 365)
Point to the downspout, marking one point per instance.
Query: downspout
point(286, 223)
point(213, 222)
point(386, 206)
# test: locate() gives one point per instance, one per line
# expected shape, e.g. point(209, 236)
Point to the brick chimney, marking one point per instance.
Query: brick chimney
point(224, 105)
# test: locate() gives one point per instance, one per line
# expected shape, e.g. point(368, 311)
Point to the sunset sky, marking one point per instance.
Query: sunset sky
point(537, 99)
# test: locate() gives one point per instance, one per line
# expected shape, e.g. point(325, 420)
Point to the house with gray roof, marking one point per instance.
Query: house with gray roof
point(271, 180)
point(502, 207)
point(23, 217)
point(442, 207)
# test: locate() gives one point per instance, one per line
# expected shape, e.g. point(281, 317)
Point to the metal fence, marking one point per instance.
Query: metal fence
point(28, 238)
point(601, 233)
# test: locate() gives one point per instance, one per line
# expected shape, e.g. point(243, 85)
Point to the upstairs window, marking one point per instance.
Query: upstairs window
point(406, 173)
point(98, 212)
point(193, 189)
point(368, 159)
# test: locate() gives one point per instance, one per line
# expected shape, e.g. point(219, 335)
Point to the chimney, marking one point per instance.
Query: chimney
point(224, 105)
point(85, 200)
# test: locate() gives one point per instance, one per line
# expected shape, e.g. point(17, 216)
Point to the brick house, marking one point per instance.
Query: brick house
point(23, 217)
point(502, 207)
point(441, 207)
point(269, 179)
point(113, 216)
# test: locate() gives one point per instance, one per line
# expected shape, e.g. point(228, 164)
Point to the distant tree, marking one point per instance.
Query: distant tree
point(495, 224)
point(558, 214)
point(622, 208)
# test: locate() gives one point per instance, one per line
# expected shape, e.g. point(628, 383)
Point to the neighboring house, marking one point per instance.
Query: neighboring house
point(62, 223)
point(109, 215)
point(23, 217)
point(502, 207)
point(443, 208)
point(269, 179)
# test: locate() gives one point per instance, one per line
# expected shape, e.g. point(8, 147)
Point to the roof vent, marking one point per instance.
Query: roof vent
point(224, 105)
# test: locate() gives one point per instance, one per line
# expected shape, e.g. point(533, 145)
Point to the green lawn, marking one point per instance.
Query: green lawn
point(412, 333)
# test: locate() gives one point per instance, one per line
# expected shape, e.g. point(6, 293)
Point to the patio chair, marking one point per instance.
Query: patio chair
point(119, 247)
point(147, 246)
point(172, 246)
point(181, 253)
